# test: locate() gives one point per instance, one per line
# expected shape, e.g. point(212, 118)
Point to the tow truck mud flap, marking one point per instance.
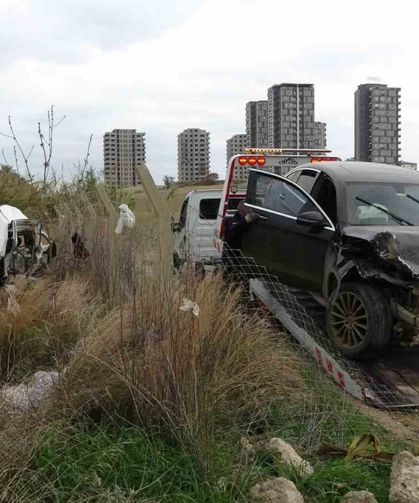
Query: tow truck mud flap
point(392, 382)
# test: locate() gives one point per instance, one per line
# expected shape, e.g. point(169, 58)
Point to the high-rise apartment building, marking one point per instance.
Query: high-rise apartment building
point(291, 121)
point(257, 123)
point(320, 134)
point(193, 150)
point(123, 150)
point(377, 123)
point(236, 145)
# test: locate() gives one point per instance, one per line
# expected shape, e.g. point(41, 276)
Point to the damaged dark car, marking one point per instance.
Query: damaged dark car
point(349, 233)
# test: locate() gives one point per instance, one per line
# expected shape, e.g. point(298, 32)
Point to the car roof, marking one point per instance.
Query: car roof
point(353, 171)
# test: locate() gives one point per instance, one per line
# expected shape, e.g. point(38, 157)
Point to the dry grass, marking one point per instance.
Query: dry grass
point(40, 321)
point(175, 195)
point(162, 367)
point(123, 347)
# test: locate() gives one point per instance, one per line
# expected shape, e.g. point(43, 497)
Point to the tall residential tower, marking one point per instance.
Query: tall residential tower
point(291, 121)
point(123, 150)
point(236, 145)
point(257, 123)
point(193, 150)
point(377, 123)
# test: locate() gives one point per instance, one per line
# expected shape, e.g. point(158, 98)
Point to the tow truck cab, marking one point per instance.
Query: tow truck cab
point(274, 160)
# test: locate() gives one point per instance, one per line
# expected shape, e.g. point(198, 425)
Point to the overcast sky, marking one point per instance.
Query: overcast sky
point(161, 66)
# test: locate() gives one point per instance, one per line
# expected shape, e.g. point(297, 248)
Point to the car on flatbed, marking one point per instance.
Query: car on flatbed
point(349, 232)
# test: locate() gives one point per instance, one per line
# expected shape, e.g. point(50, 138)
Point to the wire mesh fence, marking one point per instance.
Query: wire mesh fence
point(389, 380)
point(323, 412)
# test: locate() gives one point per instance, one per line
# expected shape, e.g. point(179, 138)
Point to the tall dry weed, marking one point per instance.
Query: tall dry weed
point(40, 321)
point(188, 375)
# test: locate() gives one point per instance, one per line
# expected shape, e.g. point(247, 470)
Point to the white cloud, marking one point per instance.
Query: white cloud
point(161, 70)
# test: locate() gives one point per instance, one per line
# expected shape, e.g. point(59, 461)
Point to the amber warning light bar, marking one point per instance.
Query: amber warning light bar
point(253, 160)
point(260, 160)
point(285, 151)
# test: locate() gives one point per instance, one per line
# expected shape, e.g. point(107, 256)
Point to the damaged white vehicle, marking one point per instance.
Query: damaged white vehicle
point(25, 248)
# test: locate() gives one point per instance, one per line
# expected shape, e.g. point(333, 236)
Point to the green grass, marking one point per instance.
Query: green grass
point(106, 461)
point(79, 463)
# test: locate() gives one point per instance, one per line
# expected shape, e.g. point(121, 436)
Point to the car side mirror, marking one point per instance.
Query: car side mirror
point(311, 219)
point(176, 226)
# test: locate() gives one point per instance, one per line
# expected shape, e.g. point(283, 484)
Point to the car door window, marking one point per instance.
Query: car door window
point(307, 178)
point(278, 195)
point(293, 175)
point(324, 192)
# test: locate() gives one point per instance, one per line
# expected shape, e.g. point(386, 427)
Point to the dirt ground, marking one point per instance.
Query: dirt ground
point(403, 425)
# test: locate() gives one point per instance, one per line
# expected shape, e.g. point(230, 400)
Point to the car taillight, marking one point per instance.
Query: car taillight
point(261, 160)
point(251, 161)
point(242, 161)
point(323, 159)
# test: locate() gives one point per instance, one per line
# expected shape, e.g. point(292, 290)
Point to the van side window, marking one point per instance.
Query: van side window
point(208, 209)
point(183, 213)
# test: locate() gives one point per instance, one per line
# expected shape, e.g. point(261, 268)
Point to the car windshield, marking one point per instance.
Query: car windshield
point(383, 203)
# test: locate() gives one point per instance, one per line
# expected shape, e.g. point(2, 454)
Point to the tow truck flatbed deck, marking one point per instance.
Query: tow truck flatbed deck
point(390, 381)
point(397, 369)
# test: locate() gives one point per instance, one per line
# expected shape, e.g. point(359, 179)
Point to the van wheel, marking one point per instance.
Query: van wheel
point(359, 320)
point(177, 263)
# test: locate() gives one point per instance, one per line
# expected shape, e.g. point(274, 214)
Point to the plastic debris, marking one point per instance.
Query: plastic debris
point(126, 219)
point(190, 305)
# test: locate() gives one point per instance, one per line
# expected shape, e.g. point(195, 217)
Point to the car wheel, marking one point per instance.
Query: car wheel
point(359, 320)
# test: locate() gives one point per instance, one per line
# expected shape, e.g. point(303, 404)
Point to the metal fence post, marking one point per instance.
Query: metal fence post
point(162, 212)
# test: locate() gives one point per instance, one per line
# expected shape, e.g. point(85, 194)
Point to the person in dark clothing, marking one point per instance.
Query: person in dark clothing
point(235, 228)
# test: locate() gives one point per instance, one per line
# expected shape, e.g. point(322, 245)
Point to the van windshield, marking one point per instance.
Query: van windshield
point(383, 203)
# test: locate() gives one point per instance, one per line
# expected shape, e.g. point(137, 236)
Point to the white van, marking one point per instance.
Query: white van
point(194, 233)
point(25, 248)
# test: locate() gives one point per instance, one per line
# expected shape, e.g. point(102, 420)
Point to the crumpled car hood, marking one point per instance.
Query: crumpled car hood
point(395, 246)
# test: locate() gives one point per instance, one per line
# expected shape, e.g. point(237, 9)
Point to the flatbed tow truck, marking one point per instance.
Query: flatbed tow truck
point(389, 380)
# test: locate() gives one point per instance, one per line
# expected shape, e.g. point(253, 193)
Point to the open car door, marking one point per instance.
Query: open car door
point(292, 233)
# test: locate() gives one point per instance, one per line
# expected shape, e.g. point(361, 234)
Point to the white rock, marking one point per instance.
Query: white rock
point(358, 497)
point(405, 478)
point(279, 490)
point(29, 395)
point(288, 455)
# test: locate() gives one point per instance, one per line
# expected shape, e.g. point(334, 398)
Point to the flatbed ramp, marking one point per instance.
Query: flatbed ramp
point(390, 381)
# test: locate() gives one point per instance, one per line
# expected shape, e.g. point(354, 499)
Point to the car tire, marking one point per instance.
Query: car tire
point(358, 320)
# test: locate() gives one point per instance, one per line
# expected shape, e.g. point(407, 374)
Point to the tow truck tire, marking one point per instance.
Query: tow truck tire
point(358, 320)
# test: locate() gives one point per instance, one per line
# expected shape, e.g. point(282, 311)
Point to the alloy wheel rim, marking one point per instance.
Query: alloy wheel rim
point(349, 320)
